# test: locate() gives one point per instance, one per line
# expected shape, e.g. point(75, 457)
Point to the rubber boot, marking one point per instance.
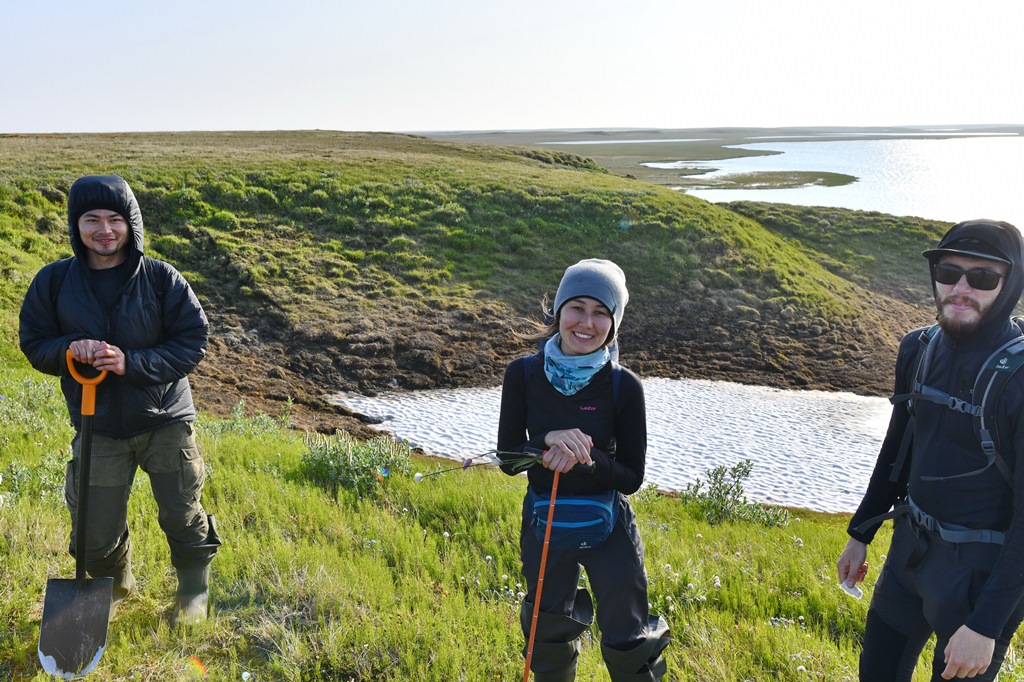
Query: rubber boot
point(556, 646)
point(118, 565)
point(555, 662)
point(124, 584)
point(191, 602)
point(643, 663)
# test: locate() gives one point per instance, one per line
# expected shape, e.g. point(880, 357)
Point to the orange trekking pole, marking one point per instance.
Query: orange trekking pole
point(540, 578)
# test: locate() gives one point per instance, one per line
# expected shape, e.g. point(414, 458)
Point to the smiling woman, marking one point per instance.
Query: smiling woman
point(587, 417)
point(584, 326)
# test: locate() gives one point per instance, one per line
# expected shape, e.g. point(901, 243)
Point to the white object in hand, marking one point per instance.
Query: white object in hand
point(851, 589)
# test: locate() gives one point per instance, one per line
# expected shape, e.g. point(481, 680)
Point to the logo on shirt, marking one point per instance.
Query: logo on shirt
point(588, 408)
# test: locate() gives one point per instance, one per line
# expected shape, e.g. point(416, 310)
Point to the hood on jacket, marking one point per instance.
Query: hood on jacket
point(993, 240)
point(110, 192)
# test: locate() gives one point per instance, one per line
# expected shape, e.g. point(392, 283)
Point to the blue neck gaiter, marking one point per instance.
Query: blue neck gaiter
point(570, 373)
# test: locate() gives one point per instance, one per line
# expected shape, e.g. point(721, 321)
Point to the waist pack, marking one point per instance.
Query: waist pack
point(580, 521)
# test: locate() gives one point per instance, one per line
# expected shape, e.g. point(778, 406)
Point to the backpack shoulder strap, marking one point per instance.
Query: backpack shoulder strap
point(997, 371)
point(924, 357)
point(57, 275)
point(924, 360)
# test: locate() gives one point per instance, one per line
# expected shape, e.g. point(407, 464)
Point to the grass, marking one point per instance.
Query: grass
point(407, 580)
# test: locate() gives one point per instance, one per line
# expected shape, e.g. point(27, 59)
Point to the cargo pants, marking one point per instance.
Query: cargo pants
point(171, 458)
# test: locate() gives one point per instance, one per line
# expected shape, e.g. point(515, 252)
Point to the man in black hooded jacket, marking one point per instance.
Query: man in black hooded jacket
point(956, 563)
point(137, 317)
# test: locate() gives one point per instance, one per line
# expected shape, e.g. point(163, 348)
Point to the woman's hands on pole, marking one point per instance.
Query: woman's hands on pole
point(566, 449)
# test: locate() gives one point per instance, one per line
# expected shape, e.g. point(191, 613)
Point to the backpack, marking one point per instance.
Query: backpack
point(995, 373)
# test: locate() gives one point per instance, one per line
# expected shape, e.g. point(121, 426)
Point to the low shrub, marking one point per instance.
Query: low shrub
point(340, 462)
point(723, 498)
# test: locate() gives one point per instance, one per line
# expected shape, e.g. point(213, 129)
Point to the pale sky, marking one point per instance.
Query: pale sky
point(400, 65)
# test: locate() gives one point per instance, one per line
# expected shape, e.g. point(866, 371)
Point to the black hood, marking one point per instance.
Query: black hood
point(109, 192)
point(995, 240)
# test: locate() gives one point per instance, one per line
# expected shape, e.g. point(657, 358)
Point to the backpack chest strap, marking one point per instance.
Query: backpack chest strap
point(934, 395)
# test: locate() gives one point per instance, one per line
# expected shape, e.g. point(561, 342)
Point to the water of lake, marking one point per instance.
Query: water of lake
point(950, 180)
point(810, 449)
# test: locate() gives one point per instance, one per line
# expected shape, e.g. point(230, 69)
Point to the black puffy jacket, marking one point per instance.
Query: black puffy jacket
point(156, 320)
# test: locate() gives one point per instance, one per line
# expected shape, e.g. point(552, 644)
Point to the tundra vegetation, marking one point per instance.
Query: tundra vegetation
point(336, 261)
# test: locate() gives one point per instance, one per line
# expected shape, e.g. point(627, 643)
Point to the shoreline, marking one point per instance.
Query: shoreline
point(624, 151)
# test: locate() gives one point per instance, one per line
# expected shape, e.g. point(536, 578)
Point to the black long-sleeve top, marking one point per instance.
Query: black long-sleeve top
point(531, 407)
point(945, 445)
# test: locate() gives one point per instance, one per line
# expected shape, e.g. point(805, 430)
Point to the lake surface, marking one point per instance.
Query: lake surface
point(810, 449)
point(951, 180)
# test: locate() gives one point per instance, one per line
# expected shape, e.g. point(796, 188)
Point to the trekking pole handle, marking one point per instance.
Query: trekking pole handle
point(585, 468)
point(88, 385)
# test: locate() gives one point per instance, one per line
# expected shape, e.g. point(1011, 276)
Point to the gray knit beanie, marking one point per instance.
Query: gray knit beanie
point(595, 278)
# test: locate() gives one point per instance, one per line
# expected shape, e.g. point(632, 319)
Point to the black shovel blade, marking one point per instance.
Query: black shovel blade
point(73, 632)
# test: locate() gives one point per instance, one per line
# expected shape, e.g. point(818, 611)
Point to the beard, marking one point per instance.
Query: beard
point(957, 327)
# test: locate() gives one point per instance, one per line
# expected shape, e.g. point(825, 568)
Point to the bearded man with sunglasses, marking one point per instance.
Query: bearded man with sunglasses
point(955, 567)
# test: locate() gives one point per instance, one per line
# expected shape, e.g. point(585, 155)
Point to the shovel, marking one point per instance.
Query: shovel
point(73, 631)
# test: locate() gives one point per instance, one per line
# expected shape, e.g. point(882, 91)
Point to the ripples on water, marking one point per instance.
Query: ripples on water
point(810, 449)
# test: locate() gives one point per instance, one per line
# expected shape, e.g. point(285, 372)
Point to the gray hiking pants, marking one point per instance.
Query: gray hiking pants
point(176, 471)
point(632, 640)
point(927, 585)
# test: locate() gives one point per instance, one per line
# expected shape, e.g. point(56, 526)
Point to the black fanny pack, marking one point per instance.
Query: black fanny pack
point(580, 521)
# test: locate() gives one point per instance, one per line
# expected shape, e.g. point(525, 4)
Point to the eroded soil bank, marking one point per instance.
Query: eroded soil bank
point(407, 350)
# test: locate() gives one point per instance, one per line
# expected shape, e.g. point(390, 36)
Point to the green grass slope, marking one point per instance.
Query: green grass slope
point(347, 261)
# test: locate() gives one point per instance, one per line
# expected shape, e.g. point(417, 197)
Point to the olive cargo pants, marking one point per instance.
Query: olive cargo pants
point(176, 471)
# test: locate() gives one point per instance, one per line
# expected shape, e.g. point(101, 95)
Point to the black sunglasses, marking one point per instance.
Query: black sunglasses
point(978, 278)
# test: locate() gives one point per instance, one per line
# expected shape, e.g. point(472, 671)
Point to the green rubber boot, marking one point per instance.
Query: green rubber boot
point(191, 602)
point(124, 584)
point(119, 567)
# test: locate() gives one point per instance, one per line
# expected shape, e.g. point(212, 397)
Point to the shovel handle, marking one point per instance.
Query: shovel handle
point(88, 385)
